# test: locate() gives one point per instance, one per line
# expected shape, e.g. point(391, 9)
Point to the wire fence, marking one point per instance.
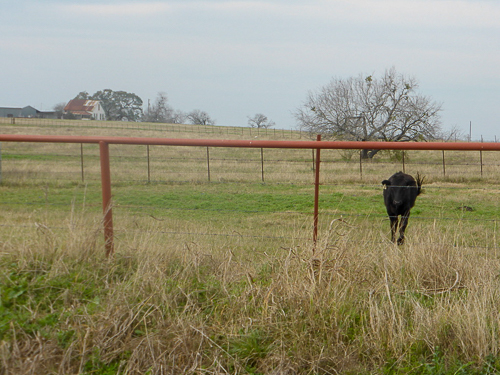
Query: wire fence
point(172, 130)
point(350, 189)
point(208, 164)
point(276, 227)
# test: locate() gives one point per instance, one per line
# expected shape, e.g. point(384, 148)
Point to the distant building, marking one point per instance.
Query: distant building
point(27, 111)
point(85, 109)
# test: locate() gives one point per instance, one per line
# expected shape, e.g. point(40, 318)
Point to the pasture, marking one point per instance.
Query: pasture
point(215, 271)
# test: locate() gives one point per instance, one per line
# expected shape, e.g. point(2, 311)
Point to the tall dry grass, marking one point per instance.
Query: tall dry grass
point(210, 308)
point(202, 304)
point(129, 163)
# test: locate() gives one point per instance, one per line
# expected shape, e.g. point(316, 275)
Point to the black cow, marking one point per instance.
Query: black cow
point(400, 192)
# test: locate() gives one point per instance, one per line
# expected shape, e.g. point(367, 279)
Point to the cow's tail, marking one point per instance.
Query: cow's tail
point(420, 182)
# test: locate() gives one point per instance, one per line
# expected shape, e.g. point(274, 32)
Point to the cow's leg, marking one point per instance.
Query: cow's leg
point(394, 226)
point(402, 228)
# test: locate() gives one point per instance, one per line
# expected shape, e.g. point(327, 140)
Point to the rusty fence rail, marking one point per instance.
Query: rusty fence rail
point(315, 146)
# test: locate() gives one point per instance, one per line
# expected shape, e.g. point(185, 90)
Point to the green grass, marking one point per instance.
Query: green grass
point(253, 205)
point(222, 276)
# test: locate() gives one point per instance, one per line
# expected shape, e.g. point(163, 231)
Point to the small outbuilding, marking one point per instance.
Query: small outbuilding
point(26, 112)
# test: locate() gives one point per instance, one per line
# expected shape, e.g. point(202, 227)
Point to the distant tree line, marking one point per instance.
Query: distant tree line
point(126, 106)
point(362, 108)
point(161, 111)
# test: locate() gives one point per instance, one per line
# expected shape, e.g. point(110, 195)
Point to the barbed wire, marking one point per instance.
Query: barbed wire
point(7, 155)
point(323, 212)
point(235, 234)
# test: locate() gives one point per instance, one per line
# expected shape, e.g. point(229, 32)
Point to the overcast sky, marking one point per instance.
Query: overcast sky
point(234, 59)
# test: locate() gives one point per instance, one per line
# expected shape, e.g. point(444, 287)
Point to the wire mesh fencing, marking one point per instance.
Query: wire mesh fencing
point(243, 194)
point(237, 207)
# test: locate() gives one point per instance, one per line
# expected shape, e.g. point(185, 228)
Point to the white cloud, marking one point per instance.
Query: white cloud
point(433, 13)
point(121, 9)
point(402, 13)
point(236, 52)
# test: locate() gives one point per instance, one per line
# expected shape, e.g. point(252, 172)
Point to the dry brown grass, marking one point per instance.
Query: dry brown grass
point(208, 308)
point(191, 303)
point(190, 163)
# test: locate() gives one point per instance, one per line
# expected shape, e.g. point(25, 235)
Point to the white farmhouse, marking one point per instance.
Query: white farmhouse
point(85, 109)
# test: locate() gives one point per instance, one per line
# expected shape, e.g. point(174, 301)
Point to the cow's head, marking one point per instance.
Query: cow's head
point(402, 189)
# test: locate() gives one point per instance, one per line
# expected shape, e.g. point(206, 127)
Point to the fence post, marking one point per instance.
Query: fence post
point(316, 193)
point(481, 161)
point(106, 197)
point(208, 164)
point(262, 162)
point(81, 161)
point(481, 157)
point(149, 168)
point(404, 161)
point(361, 164)
point(444, 166)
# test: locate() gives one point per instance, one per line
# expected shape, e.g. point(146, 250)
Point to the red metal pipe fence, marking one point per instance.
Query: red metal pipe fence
point(106, 197)
point(317, 145)
point(316, 192)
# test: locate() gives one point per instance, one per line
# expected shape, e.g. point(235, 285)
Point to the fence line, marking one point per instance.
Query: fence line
point(343, 214)
point(263, 162)
point(239, 235)
point(152, 126)
point(317, 145)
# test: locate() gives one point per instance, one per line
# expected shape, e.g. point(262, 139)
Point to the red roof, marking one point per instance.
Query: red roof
point(80, 105)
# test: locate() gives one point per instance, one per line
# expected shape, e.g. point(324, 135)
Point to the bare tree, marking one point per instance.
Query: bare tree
point(198, 117)
point(161, 111)
point(178, 117)
point(59, 109)
point(369, 109)
point(453, 134)
point(260, 121)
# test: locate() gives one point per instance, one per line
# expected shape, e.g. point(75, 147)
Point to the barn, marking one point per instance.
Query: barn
point(26, 112)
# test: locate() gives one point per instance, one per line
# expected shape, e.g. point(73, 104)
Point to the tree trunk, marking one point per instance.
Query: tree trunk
point(368, 154)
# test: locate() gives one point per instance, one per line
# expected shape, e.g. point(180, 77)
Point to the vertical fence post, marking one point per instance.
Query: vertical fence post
point(361, 164)
point(481, 157)
point(81, 161)
point(481, 161)
point(149, 167)
point(106, 197)
point(316, 193)
point(208, 164)
point(262, 162)
point(444, 166)
point(404, 171)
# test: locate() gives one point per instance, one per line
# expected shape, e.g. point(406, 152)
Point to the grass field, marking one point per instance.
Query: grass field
point(221, 276)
